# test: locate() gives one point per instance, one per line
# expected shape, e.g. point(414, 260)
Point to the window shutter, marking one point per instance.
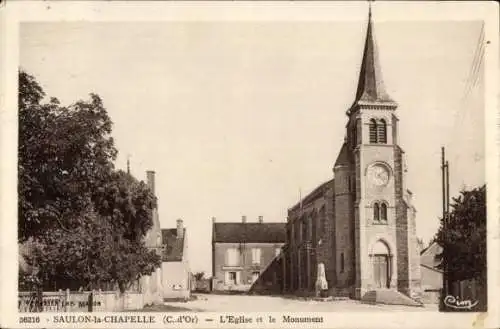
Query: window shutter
point(373, 131)
point(376, 212)
point(383, 212)
point(382, 132)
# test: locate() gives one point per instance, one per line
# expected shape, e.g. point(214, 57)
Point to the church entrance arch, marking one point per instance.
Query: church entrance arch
point(381, 257)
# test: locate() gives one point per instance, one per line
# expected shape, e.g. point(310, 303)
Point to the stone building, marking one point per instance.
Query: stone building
point(242, 251)
point(432, 275)
point(177, 277)
point(151, 285)
point(173, 279)
point(361, 223)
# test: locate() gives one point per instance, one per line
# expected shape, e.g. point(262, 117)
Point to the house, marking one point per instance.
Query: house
point(177, 278)
point(241, 251)
point(270, 281)
point(432, 276)
point(359, 225)
point(151, 285)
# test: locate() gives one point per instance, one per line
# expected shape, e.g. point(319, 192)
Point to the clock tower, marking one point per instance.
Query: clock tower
point(376, 247)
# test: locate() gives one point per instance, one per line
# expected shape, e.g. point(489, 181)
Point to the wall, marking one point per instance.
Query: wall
point(431, 279)
point(176, 280)
point(66, 301)
point(245, 268)
point(319, 214)
point(152, 288)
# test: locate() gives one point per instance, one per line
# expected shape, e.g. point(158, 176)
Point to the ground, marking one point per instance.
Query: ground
point(244, 303)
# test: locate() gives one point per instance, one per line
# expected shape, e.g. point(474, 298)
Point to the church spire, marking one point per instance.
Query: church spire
point(371, 85)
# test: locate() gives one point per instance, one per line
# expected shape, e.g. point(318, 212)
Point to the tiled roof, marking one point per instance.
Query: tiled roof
point(174, 246)
point(249, 232)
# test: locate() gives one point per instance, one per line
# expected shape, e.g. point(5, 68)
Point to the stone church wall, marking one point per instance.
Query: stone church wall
point(401, 225)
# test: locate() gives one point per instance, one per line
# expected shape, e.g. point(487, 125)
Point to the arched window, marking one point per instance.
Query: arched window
point(383, 212)
point(376, 212)
point(305, 235)
point(314, 227)
point(382, 132)
point(373, 131)
point(297, 230)
point(322, 216)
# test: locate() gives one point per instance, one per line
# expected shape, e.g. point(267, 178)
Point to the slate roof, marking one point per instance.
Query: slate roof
point(315, 194)
point(429, 256)
point(343, 158)
point(371, 85)
point(249, 232)
point(174, 246)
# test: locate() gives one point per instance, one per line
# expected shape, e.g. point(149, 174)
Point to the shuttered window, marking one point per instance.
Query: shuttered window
point(382, 132)
point(256, 256)
point(232, 257)
point(376, 212)
point(383, 212)
point(373, 131)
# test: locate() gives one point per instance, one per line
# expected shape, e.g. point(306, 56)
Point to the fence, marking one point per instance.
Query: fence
point(86, 301)
point(465, 296)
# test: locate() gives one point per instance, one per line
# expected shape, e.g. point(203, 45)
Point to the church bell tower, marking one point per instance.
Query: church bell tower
point(381, 228)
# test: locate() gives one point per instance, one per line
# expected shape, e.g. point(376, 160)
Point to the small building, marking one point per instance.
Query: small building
point(431, 275)
point(177, 278)
point(151, 285)
point(242, 251)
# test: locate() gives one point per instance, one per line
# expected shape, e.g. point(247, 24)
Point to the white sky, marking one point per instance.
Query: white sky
point(235, 117)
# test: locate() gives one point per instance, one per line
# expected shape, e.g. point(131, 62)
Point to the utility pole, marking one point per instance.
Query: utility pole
point(445, 175)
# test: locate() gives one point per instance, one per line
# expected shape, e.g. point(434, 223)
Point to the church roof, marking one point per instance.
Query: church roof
point(343, 158)
point(249, 232)
point(318, 192)
point(371, 85)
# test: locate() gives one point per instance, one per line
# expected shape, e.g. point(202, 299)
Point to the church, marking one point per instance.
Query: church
point(355, 234)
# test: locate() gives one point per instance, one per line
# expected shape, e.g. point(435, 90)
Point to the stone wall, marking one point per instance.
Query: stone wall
point(401, 225)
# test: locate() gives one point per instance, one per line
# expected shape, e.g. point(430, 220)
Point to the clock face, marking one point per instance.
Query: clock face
point(378, 175)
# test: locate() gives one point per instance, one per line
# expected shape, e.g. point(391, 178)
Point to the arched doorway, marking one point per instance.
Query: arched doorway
point(381, 265)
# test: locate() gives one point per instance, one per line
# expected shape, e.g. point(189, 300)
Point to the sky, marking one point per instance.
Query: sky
point(237, 117)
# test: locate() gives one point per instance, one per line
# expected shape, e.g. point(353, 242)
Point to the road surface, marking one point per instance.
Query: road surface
point(244, 303)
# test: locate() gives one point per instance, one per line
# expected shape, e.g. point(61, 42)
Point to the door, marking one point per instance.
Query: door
point(381, 271)
point(232, 278)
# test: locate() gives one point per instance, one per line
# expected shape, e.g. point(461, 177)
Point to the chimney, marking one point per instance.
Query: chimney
point(150, 174)
point(261, 219)
point(180, 228)
point(243, 219)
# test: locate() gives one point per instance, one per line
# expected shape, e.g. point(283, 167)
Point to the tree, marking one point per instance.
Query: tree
point(84, 222)
point(127, 203)
point(199, 276)
point(65, 154)
point(463, 236)
point(420, 244)
point(94, 254)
